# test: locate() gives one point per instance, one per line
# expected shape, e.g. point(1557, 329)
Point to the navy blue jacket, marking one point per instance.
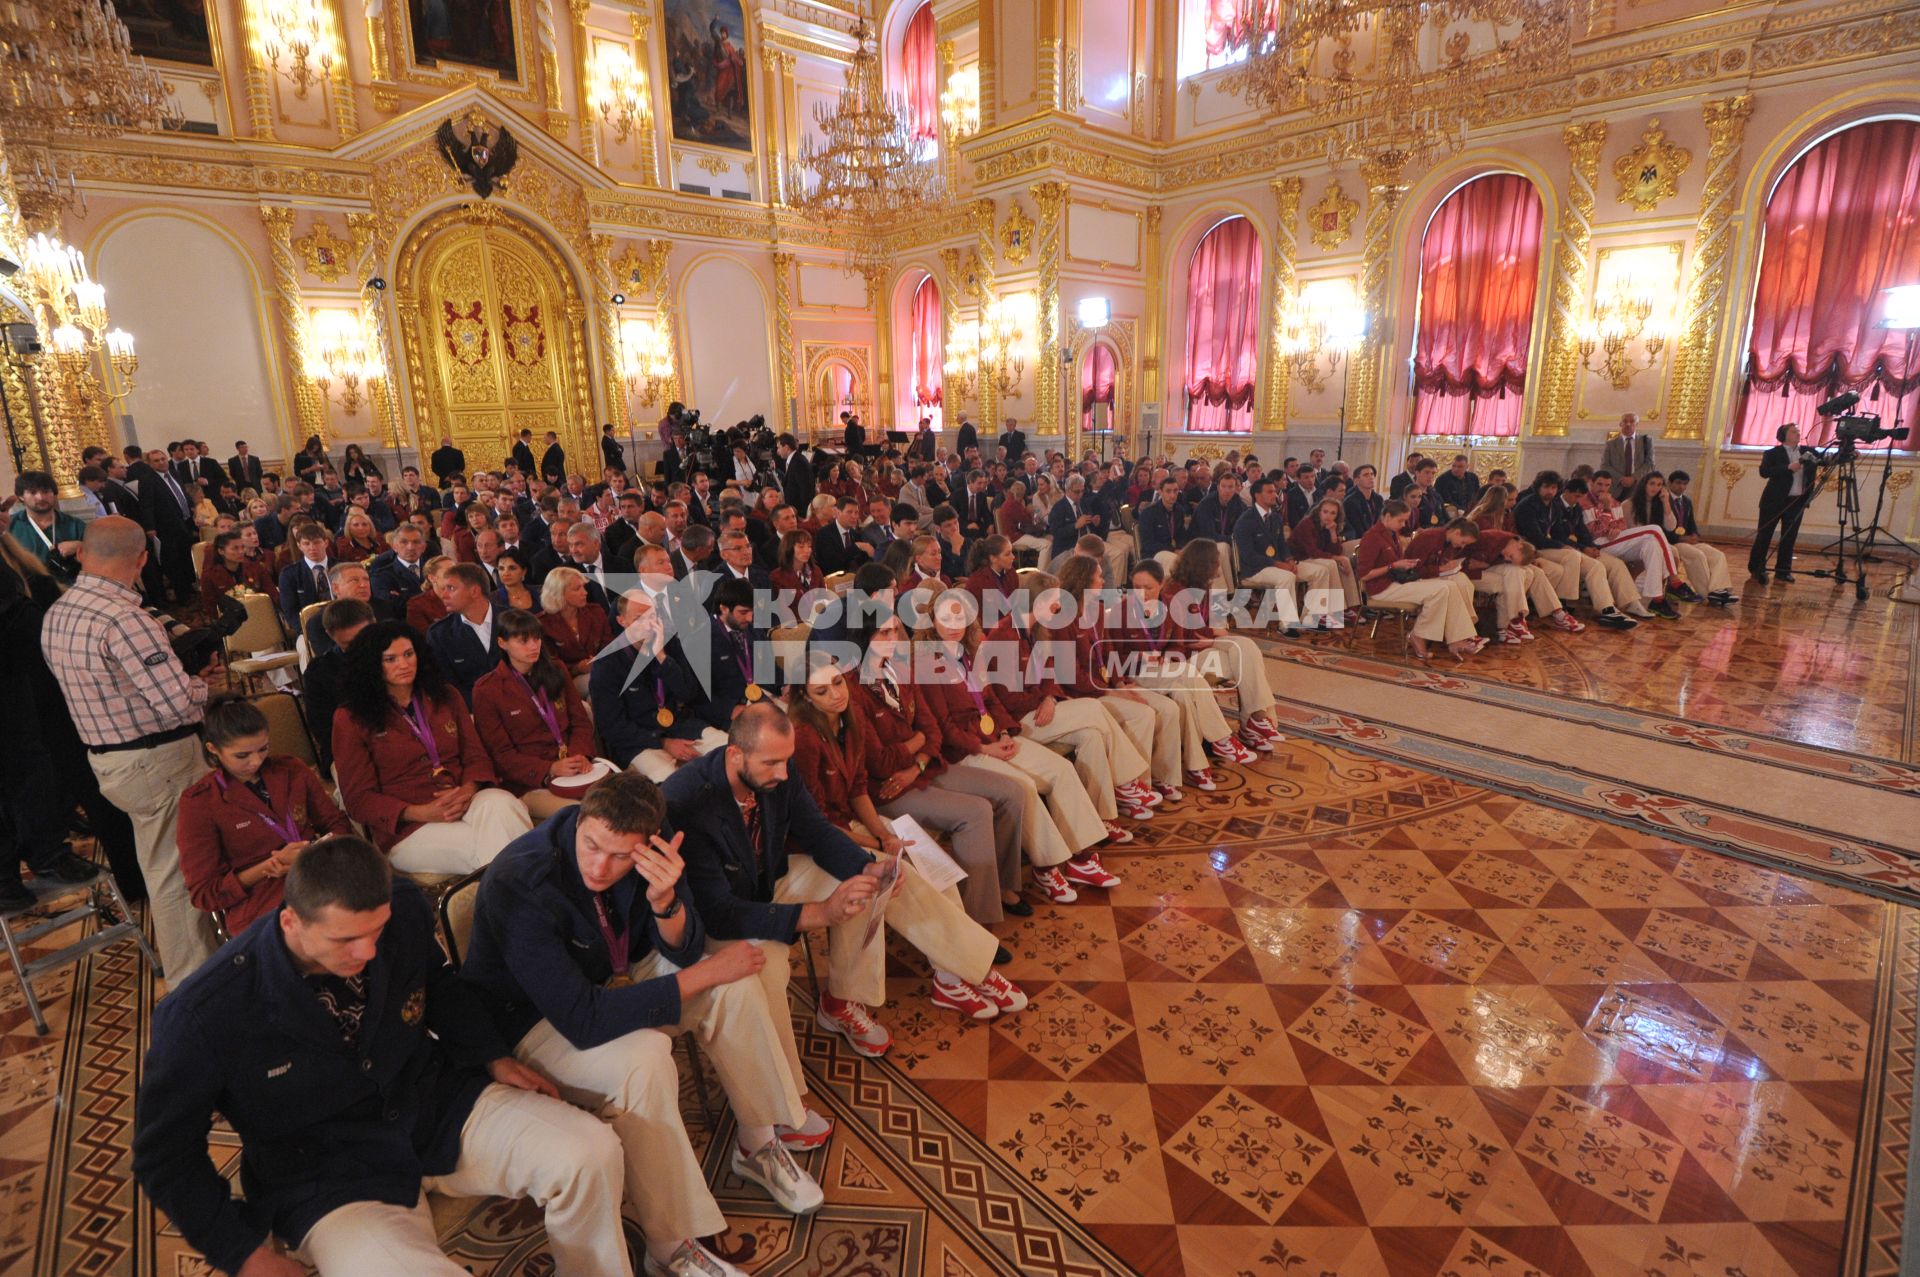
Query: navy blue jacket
point(392, 585)
point(457, 648)
point(1261, 540)
point(1214, 522)
point(1547, 525)
point(537, 952)
point(320, 1125)
point(1160, 528)
point(1362, 512)
point(725, 677)
point(1428, 511)
point(298, 588)
point(627, 716)
point(273, 533)
point(1060, 521)
point(734, 890)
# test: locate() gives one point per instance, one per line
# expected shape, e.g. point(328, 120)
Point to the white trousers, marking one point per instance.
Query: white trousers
point(494, 818)
point(1517, 590)
point(1152, 721)
point(1706, 566)
point(1101, 753)
point(146, 784)
point(1331, 586)
point(1647, 549)
point(1281, 582)
point(1246, 667)
point(931, 921)
point(657, 764)
point(1606, 579)
point(633, 1083)
point(1445, 615)
point(515, 1144)
point(1200, 717)
point(1059, 819)
point(1118, 557)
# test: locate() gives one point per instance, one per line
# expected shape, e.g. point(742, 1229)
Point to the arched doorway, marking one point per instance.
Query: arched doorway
point(495, 337)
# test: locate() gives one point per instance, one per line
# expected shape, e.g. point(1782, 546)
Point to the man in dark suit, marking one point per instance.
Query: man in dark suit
point(968, 436)
point(1459, 487)
point(796, 473)
point(978, 511)
point(446, 462)
point(463, 640)
point(1628, 454)
point(1218, 511)
point(553, 461)
point(243, 467)
point(210, 474)
point(323, 682)
point(624, 533)
point(550, 556)
point(673, 461)
point(1782, 504)
point(170, 510)
point(612, 455)
point(1014, 440)
point(521, 453)
point(739, 809)
point(736, 564)
point(856, 436)
point(1162, 522)
point(837, 547)
point(394, 575)
point(305, 580)
point(703, 503)
point(1070, 517)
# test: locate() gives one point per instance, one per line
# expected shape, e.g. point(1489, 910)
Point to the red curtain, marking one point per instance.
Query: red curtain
point(1479, 265)
point(1097, 373)
point(1223, 328)
point(920, 68)
point(1233, 27)
point(928, 353)
point(1842, 227)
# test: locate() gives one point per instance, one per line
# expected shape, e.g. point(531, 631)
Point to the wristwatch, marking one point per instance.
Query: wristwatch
point(672, 909)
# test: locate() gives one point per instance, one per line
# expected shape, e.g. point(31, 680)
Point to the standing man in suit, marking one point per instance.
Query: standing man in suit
point(243, 467)
point(1629, 452)
point(1782, 504)
point(206, 471)
point(171, 508)
point(856, 437)
point(446, 462)
point(966, 437)
point(1014, 441)
point(462, 640)
point(522, 453)
point(796, 472)
point(553, 462)
point(612, 455)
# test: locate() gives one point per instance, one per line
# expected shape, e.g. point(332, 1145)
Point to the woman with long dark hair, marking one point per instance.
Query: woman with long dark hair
point(530, 716)
point(410, 764)
point(310, 461)
point(1189, 596)
point(357, 465)
point(512, 568)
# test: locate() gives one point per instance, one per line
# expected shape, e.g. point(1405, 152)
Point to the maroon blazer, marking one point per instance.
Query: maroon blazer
point(347, 550)
point(383, 772)
point(800, 582)
point(424, 608)
point(1312, 541)
point(215, 580)
point(833, 772)
point(890, 729)
point(223, 829)
point(983, 580)
point(1026, 698)
point(1378, 548)
point(590, 632)
point(516, 739)
point(959, 717)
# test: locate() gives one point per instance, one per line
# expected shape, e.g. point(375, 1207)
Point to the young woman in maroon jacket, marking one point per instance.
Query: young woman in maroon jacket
point(244, 823)
point(227, 565)
point(991, 577)
point(1446, 613)
point(1188, 598)
point(410, 765)
point(797, 573)
point(530, 717)
point(1320, 536)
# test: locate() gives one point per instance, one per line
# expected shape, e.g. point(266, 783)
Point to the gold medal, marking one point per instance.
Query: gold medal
point(620, 981)
point(441, 772)
point(753, 692)
point(1681, 532)
point(1272, 550)
point(663, 716)
point(563, 752)
point(986, 724)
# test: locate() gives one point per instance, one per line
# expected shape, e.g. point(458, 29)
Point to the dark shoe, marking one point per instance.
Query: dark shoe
point(1723, 598)
point(1663, 609)
point(1018, 909)
point(1001, 957)
point(1758, 578)
point(14, 896)
point(1783, 576)
point(1684, 592)
point(1615, 620)
point(68, 867)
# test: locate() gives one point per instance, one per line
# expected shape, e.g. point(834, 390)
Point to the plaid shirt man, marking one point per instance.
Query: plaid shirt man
point(115, 666)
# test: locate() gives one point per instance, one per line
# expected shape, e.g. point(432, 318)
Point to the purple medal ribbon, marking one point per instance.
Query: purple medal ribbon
point(616, 944)
point(423, 732)
point(973, 688)
point(543, 706)
point(290, 832)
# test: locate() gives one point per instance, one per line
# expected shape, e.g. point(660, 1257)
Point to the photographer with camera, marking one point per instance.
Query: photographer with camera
point(137, 710)
point(1784, 468)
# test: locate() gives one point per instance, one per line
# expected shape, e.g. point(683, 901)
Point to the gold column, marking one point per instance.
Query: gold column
point(601, 256)
point(1051, 199)
point(775, 64)
point(1696, 353)
point(309, 409)
point(1153, 332)
point(783, 338)
point(582, 51)
point(384, 392)
point(1286, 241)
point(954, 402)
point(259, 82)
point(1383, 197)
point(949, 142)
point(982, 214)
point(13, 386)
point(548, 40)
point(1560, 361)
point(49, 404)
point(641, 23)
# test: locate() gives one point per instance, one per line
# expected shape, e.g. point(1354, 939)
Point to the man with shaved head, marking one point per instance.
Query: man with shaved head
point(138, 712)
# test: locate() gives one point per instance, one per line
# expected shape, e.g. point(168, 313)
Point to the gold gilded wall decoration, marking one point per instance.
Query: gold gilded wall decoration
point(1332, 218)
point(326, 258)
point(1650, 172)
point(1016, 234)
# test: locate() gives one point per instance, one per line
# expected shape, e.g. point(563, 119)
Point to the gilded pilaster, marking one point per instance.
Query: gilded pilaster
point(776, 171)
point(783, 338)
point(1696, 354)
point(310, 411)
point(1384, 192)
point(1560, 363)
point(547, 41)
point(875, 276)
point(659, 267)
point(601, 256)
point(13, 387)
point(1153, 329)
point(1051, 200)
point(952, 400)
point(983, 216)
point(1286, 240)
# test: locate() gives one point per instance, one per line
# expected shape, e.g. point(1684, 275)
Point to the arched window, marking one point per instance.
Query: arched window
point(1842, 227)
point(928, 354)
point(920, 70)
point(1479, 266)
point(1223, 328)
point(1098, 373)
point(1217, 33)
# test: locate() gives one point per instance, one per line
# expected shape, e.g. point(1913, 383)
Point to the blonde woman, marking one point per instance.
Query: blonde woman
point(1243, 666)
point(359, 540)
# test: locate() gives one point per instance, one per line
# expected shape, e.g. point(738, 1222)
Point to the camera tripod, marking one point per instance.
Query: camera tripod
point(1859, 535)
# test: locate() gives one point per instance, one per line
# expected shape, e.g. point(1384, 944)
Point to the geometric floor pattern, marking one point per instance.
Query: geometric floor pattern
point(1342, 1017)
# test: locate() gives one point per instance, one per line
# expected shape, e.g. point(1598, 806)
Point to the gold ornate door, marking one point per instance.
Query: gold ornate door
point(495, 340)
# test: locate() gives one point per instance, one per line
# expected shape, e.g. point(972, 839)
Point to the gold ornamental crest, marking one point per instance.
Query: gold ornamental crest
point(1650, 172)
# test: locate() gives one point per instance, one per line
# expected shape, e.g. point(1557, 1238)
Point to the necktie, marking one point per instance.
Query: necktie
point(752, 817)
point(320, 582)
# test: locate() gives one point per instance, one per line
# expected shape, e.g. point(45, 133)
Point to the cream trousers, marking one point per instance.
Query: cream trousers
point(1606, 579)
point(1281, 582)
point(146, 784)
point(1330, 585)
point(1200, 717)
point(1445, 614)
point(515, 1144)
point(494, 818)
point(633, 1084)
point(657, 764)
point(1706, 566)
point(1151, 721)
point(1067, 823)
point(1246, 668)
point(1646, 547)
point(1516, 590)
point(1101, 752)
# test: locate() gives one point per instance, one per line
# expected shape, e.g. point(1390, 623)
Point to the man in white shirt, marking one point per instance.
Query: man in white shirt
point(462, 640)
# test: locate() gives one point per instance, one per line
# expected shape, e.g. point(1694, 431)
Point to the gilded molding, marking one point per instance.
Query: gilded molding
point(1559, 375)
point(783, 338)
point(1650, 173)
point(605, 282)
point(1051, 200)
point(955, 404)
point(1332, 218)
point(1694, 354)
point(1384, 192)
point(1286, 244)
point(278, 219)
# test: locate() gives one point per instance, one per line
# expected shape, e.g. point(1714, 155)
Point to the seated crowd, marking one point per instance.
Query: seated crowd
point(673, 728)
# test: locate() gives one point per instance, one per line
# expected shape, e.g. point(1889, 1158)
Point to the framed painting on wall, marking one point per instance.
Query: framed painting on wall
point(475, 33)
point(707, 73)
point(169, 30)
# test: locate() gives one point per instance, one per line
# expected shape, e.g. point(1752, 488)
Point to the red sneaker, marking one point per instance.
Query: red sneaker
point(805, 1139)
point(1255, 740)
point(1087, 870)
point(1229, 750)
point(851, 1021)
point(1115, 835)
point(950, 993)
point(1202, 780)
point(1054, 887)
point(1003, 992)
point(1566, 621)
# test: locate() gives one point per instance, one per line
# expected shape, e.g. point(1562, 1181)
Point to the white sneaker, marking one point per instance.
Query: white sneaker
point(773, 1168)
point(691, 1259)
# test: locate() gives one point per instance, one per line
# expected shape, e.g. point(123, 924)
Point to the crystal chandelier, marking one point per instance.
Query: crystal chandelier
point(68, 69)
point(869, 172)
point(646, 358)
point(296, 38)
point(1396, 81)
point(617, 90)
point(343, 347)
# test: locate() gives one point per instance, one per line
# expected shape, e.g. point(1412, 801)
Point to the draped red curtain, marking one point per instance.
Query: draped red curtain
point(920, 68)
point(1479, 266)
point(1097, 373)
point(928, 353)
point(1233, 27)
point(1842, 227)
point(1223, 328)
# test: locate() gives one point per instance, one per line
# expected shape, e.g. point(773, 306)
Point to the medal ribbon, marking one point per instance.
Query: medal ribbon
point(973, 687)
point(543, 706)
point(423, 731)
point(616, 944)
point(290, 831)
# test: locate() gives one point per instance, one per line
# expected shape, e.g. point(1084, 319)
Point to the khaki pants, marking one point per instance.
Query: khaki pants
point(856, 972)
point(1066, 823)
point(657, 764)
point(146, 784)
point(542, 803)
point(1102, 755)
point(1119, 554)
point(1445, 616)
point(1517, 590)
point(494, 818)
point(1200, 717)
point(1706, 566)
point(982, 815)
point(633, 1084)
point(515, 1144)
point(1607, 581)
point(1281, 582)
point(1329, 585)
point(1245, 665)
point(1154, 722)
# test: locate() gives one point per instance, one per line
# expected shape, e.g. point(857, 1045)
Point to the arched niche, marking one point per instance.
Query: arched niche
point(725, 316)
